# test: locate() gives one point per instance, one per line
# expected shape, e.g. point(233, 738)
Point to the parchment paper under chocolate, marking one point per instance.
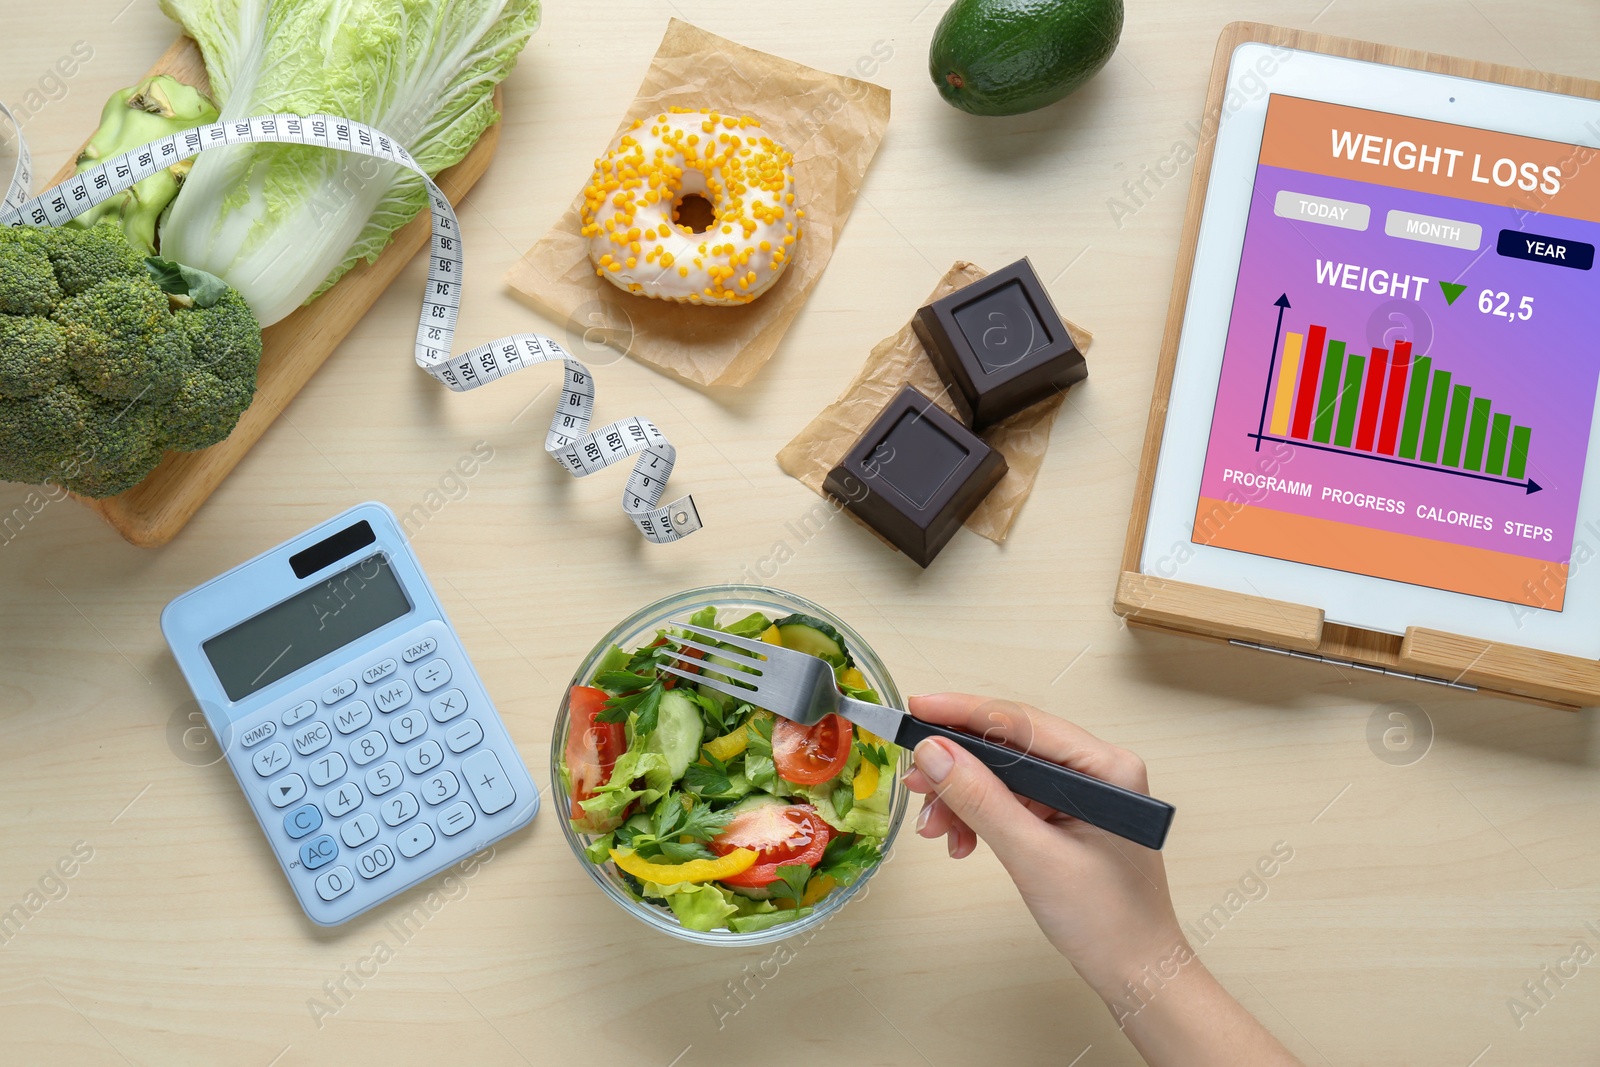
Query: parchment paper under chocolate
point(899, 359)
point(830, 123)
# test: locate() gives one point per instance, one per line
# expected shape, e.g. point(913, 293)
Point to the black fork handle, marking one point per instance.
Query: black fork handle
point(1142, 819)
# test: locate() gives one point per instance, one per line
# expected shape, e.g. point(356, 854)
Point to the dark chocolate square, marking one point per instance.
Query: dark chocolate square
point(915, 475)
point(999, 345)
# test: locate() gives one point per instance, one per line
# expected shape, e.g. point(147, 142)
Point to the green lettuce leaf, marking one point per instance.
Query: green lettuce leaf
point(698, 906)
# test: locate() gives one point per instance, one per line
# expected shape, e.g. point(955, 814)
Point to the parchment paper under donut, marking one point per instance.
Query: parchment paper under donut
point(833, 126)
point(899, 359)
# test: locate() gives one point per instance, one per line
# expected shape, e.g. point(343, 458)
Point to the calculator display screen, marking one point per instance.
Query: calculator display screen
point(306, 627)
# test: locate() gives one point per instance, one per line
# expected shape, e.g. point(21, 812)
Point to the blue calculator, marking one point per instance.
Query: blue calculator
point(350, 713)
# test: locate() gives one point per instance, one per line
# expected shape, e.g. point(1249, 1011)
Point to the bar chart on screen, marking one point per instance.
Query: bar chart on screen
point(1386, 405)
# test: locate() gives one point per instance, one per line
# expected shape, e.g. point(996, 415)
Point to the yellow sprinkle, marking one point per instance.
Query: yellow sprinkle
point(683, 272)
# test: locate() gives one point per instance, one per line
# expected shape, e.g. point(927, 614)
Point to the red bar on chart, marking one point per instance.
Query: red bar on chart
point(1305, 404)
point(1395, 397)
point(1371, 395)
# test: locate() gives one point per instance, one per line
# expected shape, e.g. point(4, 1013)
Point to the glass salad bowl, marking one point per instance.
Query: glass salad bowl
point(732, 602)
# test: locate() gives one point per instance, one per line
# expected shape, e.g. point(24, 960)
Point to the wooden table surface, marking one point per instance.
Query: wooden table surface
point(1425, 887)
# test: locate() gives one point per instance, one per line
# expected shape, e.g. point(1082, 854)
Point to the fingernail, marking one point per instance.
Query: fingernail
point(933, 760)
point(951, 846)
point(922, 817)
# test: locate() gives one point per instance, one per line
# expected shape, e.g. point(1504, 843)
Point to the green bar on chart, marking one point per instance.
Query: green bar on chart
point(1415, 400)
point(1349, 401)
point(1499, 438)
point(1517, 465)
point(1477, 431)
point(1460, 402)
point(1328, 399)
point(1438, 400)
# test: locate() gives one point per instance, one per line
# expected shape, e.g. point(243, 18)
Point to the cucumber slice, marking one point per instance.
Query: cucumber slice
point(808, 634)
point(753, 892)
point(677, 732)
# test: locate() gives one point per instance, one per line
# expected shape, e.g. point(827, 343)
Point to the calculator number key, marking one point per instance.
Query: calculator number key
point(286, 790)
point(440, 787)
point(402, 807)
point(408, 727)
point(327, 769)
point(359, 830)
point(335, 883)
point(382, 778)
point(373, 863)
point(379, 671)
point(318, 852)
point(420, 649)
point(343, 801)
point(313, 738)
point(301, 821)
point(463, 735)
point(432, 674)
point(415, 840)
point(456, 818)
point(368, 747)
point(447, 705)
point(392, 696)
point(424, 758)
point(488, 782)
point(352, 717)
point(271, 760)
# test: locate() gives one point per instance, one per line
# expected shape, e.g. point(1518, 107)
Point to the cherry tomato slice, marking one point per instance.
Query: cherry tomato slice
point(811, 755)
point(592, 747)
point(782, 834)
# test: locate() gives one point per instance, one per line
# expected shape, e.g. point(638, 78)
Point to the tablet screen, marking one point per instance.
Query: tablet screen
point(1412, 355)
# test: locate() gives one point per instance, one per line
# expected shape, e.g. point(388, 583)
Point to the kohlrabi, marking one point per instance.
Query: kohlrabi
point(281, 223)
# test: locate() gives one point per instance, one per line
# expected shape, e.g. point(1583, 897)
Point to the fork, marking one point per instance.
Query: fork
point(801, 688)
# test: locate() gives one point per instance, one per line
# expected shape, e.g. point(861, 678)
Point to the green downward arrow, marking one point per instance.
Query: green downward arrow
point(1451, 291)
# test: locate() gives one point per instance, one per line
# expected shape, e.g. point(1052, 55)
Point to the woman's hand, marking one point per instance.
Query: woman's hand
point(1101, 900)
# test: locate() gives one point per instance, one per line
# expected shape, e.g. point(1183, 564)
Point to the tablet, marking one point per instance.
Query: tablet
point(1384, 398)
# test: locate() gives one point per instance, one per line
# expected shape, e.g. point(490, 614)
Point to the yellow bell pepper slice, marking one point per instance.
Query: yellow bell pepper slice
point(735, 862)
point(853, 678)
point(733, 742)
point(771, 635)
point(866, 782)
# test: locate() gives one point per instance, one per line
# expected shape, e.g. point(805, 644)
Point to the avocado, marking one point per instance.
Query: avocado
point(1004, 57)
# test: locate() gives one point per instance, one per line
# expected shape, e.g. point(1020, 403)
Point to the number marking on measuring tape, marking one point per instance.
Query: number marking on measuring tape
point(569, 439)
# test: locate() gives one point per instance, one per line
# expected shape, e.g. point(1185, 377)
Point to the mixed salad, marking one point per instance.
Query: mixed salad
point(728, 815)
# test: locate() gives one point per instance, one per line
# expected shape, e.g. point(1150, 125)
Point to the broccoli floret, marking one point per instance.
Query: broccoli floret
point(28, 286)
point(101, 378)
point(83, 259)
point(33, 353)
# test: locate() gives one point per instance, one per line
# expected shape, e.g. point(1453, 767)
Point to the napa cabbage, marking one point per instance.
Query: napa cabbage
point(281, 223)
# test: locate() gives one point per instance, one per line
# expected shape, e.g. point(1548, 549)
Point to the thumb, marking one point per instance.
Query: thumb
point(975, 796)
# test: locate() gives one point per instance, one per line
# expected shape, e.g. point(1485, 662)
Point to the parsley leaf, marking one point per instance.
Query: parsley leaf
point(706, 780)
point(844, 798)
point(794, 876)
point(649, 710)
point(848, 856)
point(877, 755)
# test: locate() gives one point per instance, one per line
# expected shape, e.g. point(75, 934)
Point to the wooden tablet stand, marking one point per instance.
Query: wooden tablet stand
point(1155, 603)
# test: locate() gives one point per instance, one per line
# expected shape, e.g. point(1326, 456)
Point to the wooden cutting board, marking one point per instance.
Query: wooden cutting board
point(152, 512)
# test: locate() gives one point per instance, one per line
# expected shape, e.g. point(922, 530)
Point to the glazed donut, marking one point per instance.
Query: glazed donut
point(642, 237)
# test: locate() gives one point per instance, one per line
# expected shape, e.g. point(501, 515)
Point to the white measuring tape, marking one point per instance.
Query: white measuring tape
point(569, 439)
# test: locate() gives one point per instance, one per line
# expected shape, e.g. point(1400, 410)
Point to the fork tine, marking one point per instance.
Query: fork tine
point(761, 647)
point(725, 688)
point(711, 650)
